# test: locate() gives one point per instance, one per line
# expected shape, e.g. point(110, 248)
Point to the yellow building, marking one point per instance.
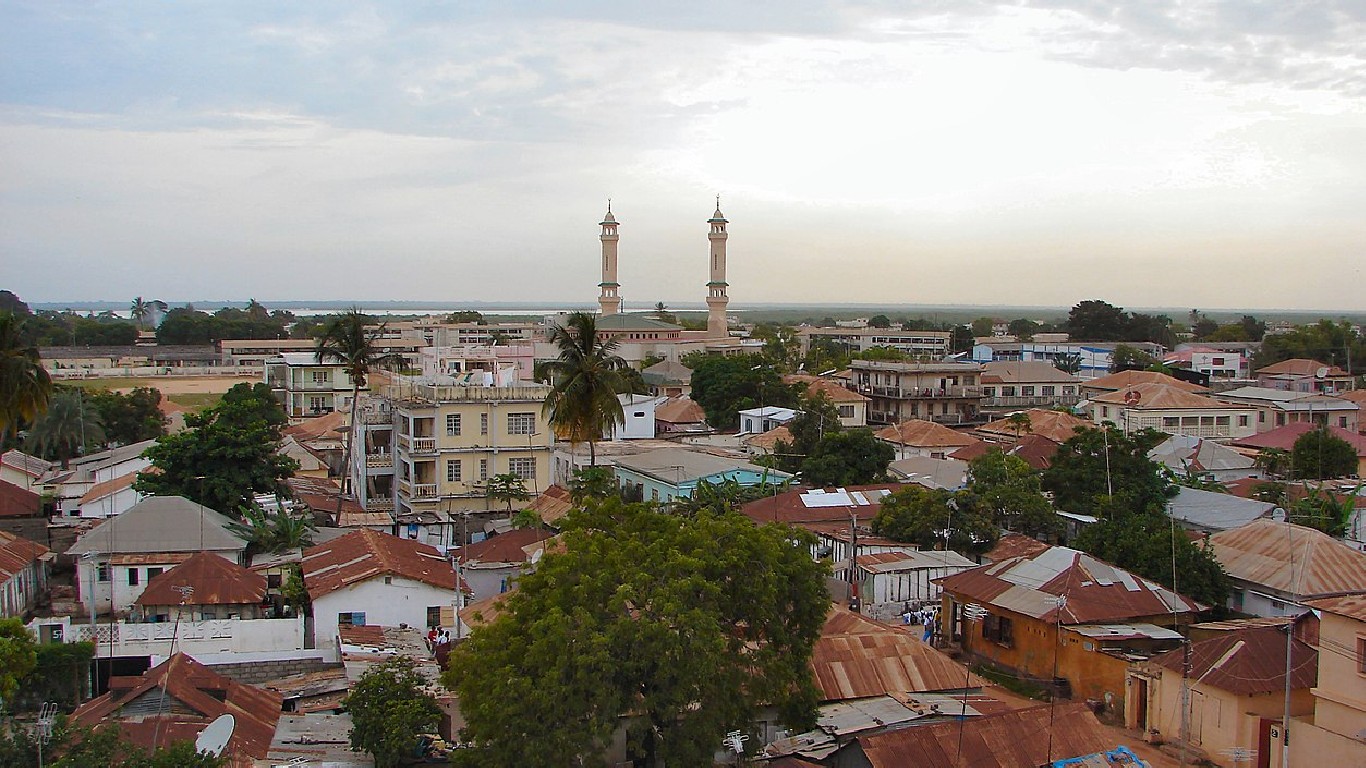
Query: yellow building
point(1335, 734)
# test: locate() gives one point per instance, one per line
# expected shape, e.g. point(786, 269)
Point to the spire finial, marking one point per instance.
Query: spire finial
point(718, 201)
point(609, 205)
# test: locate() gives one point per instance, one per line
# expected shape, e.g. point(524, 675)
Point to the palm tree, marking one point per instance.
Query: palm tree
point(348, 339)
point(278, 531)
point(583, 403)
point(69, 425)
point(1019, 424)
point(140, 310)
point(24, 384)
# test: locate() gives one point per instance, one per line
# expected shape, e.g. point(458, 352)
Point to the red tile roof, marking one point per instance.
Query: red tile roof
point(214, 579)
point(1284, 437)
point(364, 554)
point(856, 657)
point(924, 434)
point(505, 547)
point(194, 697)
point(1095, 591)
point(552, 504)
point(18, 502)
point(1247, 662)
point(17, 553)
point(1025, 738)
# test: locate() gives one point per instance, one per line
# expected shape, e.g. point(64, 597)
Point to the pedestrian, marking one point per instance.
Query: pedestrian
point(929, 629)
point(431, 638)
point(906, 617)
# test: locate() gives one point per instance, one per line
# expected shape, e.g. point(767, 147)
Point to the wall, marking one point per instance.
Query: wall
point(116, 595)
point(111, 504)
point(489, 580)
point(192, 637)
point(401, 602)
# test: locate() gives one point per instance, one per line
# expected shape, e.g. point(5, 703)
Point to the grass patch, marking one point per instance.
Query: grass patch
point(1026, 688)
point(195, 401)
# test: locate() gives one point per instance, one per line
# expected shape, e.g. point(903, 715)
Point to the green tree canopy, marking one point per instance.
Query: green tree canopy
point(879, 321)
point(1144, 543)
point(852, 457)
point(1321, 455)
point(132, 417)
point(1127, 358)
point(68, 428)
point(17, 656)
point(1325, 341)
point(390, 707)
point(724, 386)
point(227, 454)
point(1010, 491)
point(586, 377)
point(1078, 474)
point(688, 624)
point(506, 488)
point(1096, 320)
point(24, 384)
point(931, 518)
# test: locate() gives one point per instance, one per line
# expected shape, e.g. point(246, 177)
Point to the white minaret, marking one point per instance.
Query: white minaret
point(717, 300)
point(608, 298)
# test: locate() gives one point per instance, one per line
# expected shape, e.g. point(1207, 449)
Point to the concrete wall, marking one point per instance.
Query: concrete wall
point(192, 637)
point(403, 601)
point(116, 595)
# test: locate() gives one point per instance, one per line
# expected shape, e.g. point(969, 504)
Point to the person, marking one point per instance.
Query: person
point(906, 617)
point(431, 638)
point(929, 629)
point(444, 638)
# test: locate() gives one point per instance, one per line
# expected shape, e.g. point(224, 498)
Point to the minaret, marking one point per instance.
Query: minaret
point(716, 286)
point(608, 298)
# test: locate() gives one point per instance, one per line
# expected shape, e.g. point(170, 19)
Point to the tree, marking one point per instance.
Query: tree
point(294, 592)
point(348, 339)
point(1096, 463)
point(68, 428)
point(592, 483)
point(982, 326)
point(1229, 332)
point(1325, 341)
point(726, 496)
point(1127, 358)
point(277, 531)
point(506, 488)
point(75, 746)
point(465, 316)
point(1323, 510)
point(140, 311)
point(227, 454)
point(1096, 320)
point(1019, 423)
point(130, 418)
point(1144, 542)
point(1010, 491)
point(879, 321)
point(686, 626)
point(390, 707)
point(724, 386)
point(662, 313)
point(17, 656)
point(1275, 462)
point(818, 418)
point(1068, 363)
point(1205, 328)
point(934, 518)
point(1023, 329)
point(1322, 455)
point(854, 457)
point(582, 404)
point(24, 384)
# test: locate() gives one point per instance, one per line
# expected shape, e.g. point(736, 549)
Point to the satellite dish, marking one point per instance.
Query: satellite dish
point(214, 738)
point(1321, 373)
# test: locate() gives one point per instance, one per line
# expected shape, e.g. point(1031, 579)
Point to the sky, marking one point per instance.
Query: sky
point(1164, 153)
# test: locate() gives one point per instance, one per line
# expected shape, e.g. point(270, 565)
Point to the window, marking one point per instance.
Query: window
point(102, 572)
point(483, 423)
point(132, 577)
point(273, 581)
point(989, 391)
point(320, 377)
point(1171, 421)
point(1221, 421)
point(521, 423)
point(152, 573)
point(1047, 390)
point(1342, 422)
point(317, 403)
point(998, 629)
point(351, 619)
point(846, 411)
point(1027, 391)
point(1243, 421)
point(1104, 411)
point(483, 469)
point(453, 471)
point(1217, 361)
point(433, 615)
point(523, 467)
point(1361, 655)
point(1261, 417)
point(452, 424)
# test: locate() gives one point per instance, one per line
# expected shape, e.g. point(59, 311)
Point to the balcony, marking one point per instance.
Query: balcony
point(379, 505)
point(417, 490)
point(922, 393)
point(418, 446)
point(209, 636)
point(1029, 401)
point(379, 461)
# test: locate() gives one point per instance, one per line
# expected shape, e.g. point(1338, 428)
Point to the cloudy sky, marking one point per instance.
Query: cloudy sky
point(1155, 153)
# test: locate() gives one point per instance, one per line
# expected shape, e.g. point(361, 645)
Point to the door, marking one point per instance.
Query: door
point(1197, 711)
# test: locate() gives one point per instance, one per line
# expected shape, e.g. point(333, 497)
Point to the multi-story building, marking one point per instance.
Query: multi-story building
point(372, 457)
point(929, 345)
point(1090, 358)
point(450, 439)
point(1212, 362)
point(1173, 410)
point(948, 393)
point(1278, 407)
point(1010, 386)
point(307, 386)
point(1301, 375)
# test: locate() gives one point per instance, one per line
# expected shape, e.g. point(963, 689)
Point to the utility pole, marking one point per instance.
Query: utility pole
point(855, 604)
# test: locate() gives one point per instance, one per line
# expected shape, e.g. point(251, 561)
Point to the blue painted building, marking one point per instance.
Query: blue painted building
point(673, 473)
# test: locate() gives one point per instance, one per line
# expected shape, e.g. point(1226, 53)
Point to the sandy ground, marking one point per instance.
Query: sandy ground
point(191, 385)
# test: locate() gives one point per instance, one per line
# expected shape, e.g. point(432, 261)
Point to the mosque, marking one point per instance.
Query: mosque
point(639, 328)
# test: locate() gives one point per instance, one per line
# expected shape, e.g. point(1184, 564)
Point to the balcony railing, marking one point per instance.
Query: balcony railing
point(379, 460)
point(418, 445)
point(923, 393)
point(424, 490)
point(1029, 401)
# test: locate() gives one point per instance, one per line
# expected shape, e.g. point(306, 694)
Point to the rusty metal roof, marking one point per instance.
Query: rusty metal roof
point(503, 548)
point(1092, 591)
point(552, 504)
point(820, 505)
point(1290, 559)
point(364, 554)
point(1247, 662)
point(1025, 738)
point(1014, 545)
point(215, 581)
point(856, 657)
point(17, 553)
point(1351, 606)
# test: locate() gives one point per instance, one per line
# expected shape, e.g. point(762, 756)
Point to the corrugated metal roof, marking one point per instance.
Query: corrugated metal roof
point(215, 581)
point(1054, 425)
point(1025, 738)
point(1351, 606)
point(1247, 662)
point(1095, 591)
point(17, 553)
point(857, 657)
point(1290, 559)
point(365, 554)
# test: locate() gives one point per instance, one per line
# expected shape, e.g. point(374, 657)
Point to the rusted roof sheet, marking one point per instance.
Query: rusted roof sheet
point(215, 581)
point(820, 505)
point(769, 440)
point(1351, 606)
point(894, 562)
point(924, 434)
point(680, 410)
point(1015, 545)
point(1127, 379)
point(1247, 662)
point(1096, 591)
point(503, 548)
point(1161, 396)
point(1290, 559)
point(364, 554)
point(552, 504)
point(1036, 450)
point(198, 696)
point(1025, 738)
point(17, 553)
point(1300, 366)
point(18, 502)
point(856, 657)
point(1284, 438)
point(835, 390)
point(100, 490)
point(320, 494)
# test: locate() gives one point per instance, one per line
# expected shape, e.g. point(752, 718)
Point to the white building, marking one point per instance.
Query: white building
point(307, 386)
point(754, 421)
point(23, 574)
point(369, 578)
point(638, 411)
point(1172, 410)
